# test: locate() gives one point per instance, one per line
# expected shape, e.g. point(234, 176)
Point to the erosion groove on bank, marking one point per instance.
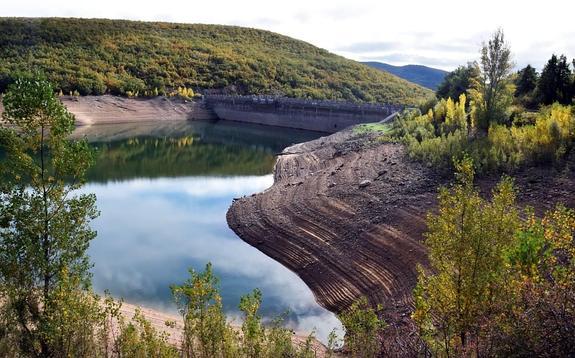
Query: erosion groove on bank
point(347, 240)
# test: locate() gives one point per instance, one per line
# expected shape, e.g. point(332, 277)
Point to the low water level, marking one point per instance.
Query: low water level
point(163, 190)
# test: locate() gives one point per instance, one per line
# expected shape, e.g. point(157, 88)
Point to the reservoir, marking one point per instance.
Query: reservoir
point(163, 190)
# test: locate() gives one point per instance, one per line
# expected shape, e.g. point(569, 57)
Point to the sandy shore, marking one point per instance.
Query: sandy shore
point(158, 320)
point(347, 214)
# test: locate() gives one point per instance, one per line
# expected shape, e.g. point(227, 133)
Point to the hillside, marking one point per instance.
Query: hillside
point(115, 56)
point(422, 75)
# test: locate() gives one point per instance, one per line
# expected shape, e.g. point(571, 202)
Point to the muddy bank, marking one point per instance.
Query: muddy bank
point(347, 214)
point(108, 109)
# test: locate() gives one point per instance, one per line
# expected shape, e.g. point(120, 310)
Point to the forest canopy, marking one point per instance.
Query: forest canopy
point(95, 57)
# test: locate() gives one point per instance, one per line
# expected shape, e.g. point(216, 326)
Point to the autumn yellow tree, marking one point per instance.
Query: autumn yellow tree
point(467, 241)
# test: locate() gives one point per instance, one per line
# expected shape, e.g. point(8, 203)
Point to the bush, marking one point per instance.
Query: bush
point(498, 285)
point(442, 134)
point(363, 328)
point(138, 338)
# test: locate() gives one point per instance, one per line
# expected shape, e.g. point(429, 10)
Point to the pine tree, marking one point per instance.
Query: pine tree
point(556, 83)
point(526, 81)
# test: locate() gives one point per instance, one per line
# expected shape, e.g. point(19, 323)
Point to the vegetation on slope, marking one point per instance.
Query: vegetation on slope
point(422, 75)
point(498, 126)
point(498, 285)
point(121, 57)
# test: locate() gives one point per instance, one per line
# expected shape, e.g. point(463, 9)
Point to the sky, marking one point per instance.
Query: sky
point(442, 34)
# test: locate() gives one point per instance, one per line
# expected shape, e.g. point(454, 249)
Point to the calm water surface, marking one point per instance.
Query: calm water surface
point(163, 190)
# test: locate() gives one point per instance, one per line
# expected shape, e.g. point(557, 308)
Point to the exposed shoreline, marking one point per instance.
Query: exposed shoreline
point(159, 318)
point(347, 240)
point(108, 109)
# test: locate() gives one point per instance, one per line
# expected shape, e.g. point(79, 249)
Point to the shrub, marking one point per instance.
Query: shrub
point(442, 134)
point(363, 328)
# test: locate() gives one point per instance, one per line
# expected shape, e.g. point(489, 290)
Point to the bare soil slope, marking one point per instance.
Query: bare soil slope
point(108, 109)
point(347, 214)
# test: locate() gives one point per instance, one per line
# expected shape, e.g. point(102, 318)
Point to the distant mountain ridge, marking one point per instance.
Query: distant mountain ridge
point(428, 77)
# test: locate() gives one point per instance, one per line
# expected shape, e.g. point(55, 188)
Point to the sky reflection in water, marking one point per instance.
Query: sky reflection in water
point(151, 230)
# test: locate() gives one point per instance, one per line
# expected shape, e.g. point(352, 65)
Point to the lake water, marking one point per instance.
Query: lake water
point(163, 190)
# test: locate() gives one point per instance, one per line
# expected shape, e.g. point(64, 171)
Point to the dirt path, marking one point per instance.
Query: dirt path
point(348, 215)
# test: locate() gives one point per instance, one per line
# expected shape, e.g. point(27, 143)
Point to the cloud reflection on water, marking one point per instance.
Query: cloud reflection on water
point(152, 230)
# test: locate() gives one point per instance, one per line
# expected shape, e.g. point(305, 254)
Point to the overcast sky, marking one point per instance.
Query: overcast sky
point(437, 33)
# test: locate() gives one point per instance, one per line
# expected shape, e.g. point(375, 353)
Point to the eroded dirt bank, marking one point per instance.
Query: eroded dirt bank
point(346, 237)
point(109, 109)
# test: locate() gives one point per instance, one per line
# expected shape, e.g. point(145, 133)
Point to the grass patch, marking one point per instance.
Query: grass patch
point(382, 128)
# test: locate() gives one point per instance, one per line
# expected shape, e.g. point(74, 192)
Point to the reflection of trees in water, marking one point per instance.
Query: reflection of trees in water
point(170, 157)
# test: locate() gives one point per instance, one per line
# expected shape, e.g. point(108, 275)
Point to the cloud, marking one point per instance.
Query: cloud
point(345, 12)
point(151, 231)
point(259, 22)
point(371, 47)
point(192, 186)
point(302, 17)
point(425, 48)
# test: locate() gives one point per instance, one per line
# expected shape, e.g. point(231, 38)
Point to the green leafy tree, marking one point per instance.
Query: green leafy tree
point(363, 329)
point(492, 95)
point(139, 338)
point(556, 82)
point(538, 317)
point(252, 329)
point(44, 224)
point(526, 81)
point(467, 240)
point(206, 332)
point(525, 86)
point(458, 81)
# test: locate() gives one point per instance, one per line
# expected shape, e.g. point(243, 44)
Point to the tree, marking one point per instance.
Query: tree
point(363, 328)
point(540, 317)
point(492, 95)
point(525, 86)
point(206, 332)
point(556, 83)
point(573, 81)
point(466, 240)
point(44, 224)
point(458, 82)
point(526, 81)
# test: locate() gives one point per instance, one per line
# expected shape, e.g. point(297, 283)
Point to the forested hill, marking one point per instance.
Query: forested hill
point(422, 75)
point(116, 56)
